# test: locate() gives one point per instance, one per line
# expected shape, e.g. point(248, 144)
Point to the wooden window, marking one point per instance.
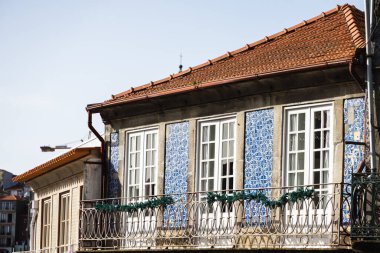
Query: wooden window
point(46, 225)
point(142, 164)
point(64, 222)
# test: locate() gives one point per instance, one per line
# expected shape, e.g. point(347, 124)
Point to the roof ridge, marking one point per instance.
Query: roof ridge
point(352, 25)
point(247, 47)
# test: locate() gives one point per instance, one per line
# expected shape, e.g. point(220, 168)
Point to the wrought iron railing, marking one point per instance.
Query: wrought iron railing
point(365, 207)
point(191, 222)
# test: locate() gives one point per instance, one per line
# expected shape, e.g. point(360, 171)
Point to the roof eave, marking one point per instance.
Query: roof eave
point(98, 107)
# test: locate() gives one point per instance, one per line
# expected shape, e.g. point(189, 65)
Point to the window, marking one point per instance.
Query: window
point(216, 155)
point(141, 163)
point(308, 147)
point(64, 222)
point(46, 224)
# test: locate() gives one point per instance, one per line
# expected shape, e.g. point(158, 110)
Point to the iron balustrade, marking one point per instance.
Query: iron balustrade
point(193, 223)
point(365, 207)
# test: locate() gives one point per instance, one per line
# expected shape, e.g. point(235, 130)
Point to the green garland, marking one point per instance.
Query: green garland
point(133, 207)
point(291, 197)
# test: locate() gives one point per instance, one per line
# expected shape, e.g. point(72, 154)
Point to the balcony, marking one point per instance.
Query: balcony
point(193, 221)
point(366, 210)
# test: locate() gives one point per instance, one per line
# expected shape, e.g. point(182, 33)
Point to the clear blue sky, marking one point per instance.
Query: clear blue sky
point(58, 56)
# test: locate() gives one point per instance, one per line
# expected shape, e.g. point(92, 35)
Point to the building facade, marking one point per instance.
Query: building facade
point(253, 149)
point(14, 201)
point(57, 191)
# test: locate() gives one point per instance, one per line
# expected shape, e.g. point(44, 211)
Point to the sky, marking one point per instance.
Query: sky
point(56, 57)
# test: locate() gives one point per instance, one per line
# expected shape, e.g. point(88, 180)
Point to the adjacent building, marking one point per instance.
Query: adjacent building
point(58, 188)
point(14, 200)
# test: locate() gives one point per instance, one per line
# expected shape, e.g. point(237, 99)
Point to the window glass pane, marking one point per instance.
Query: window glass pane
point(224, 149)
point(137, 176)
point(224, 168)
point(317, 120)
point(325, 159)
point(231, 148)
point(212, 150)
point(317, 139)
point(211, 168)
point(293, 122)
point(224, 183)
point(231, 167)
point(231, 183)
point(148, 155)
point(153, 157)
point(326, 139)
point(301, 121)
point(224, 131)
point(147, 174)
point(300, 178)
point(138, 141)
point(301, 141)
point(131, 160)
point(301, 161)
point(212, 133)
point(326, 119)
point(132, 145)
point(211, 184)
point(204, 169)
point(292, 161)
point(152, 174)
point(204, 151)
point(317, 160)
point(291, 178)
point(130, 176)
point(205, 133)
point(154, 137)
point(148, 141)
point(137, 160)
point(292, 142)
point(325, 177)
point(317, 177)
point(232, 130)
point(203, 185)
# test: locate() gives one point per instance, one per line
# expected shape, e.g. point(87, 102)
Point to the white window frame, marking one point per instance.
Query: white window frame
point(142, 134)
point(309, 170)
point(218, 153)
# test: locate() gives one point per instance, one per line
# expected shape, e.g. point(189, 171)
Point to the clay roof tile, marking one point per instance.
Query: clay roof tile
point(329, 38)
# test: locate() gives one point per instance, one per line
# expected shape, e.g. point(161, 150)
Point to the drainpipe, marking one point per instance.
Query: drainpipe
point(369, 54)
point(102, 148)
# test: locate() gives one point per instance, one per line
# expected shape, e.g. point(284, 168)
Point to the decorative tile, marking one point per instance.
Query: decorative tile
point(113, 179)
point(354, 124)
point(258, 156)
point(176, 171)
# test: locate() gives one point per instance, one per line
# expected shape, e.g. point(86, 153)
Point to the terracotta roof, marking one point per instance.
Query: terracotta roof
point(54, 163)
point(8, 197)
point(330, 38)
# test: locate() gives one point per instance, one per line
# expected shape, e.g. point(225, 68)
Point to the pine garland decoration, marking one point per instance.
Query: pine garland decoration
point(134, 207)
point(292, 197)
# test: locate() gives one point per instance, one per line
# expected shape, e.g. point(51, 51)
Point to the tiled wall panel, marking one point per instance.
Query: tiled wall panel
point(176, 171)
point(258, 155)
point(113, 180)
point(353, 131)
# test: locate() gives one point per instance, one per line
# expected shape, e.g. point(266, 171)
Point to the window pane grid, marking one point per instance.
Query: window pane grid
point(308, 147)
point(142, 164)
point(64, 221)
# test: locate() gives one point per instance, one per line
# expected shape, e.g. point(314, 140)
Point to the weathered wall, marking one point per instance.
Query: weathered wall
point(242, 108)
